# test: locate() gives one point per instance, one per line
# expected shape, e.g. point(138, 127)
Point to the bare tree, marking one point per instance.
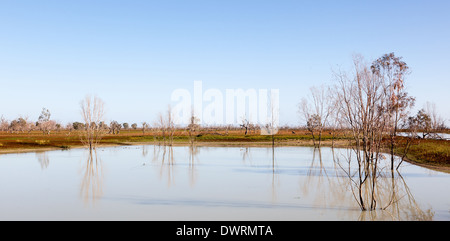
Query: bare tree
point(272, 121)
point(193, 126)
point(170, 124)
point(161, 126)
point(372, 103)
point(4, 124)
point(317, 114)
point(245, 124)
point(334, 123)
point(166, 124)
point(361, 102)
point(392, 71)
point(436, 121)
point(92, 111)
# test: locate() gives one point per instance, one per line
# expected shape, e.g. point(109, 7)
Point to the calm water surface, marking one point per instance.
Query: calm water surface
point(208, 183)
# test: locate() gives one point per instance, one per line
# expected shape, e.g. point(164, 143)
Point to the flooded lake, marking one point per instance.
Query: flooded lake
point(210, 183)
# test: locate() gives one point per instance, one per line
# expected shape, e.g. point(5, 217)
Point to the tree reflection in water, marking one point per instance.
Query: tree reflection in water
point(193, 152)
point(385, 190)
point(275, 178)
point(144, 150)
point(275, 181)
point(92, 181)
point(43, 159)
point(246, 155)
point(326, 186)
point(164, 155)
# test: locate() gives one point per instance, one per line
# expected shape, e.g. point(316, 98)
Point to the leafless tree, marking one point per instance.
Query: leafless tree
point(170, 124)
point(272, 120)
point(4, 124)
point(317, 114)
point(362, 102)
point(245, 124)
point(334, 123)
point(436, 121)
point(161, 126)
point(193, 126)
point(372, 102)
point(391, 72)
point(166, 124)
point(92, 111)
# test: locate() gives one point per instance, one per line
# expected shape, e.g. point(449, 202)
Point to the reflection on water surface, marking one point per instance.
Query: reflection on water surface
point(154, 182)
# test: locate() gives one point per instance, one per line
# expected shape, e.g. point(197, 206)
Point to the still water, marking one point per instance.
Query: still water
point(209, 183)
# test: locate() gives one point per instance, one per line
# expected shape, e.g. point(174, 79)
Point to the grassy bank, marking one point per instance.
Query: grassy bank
point(426, 152)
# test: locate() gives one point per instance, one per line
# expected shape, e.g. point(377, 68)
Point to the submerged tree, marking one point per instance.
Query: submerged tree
point(92, 111)
point(166, 125)
point(361, 102)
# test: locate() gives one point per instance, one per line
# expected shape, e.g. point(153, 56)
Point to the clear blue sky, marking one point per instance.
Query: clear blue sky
point(133, 54)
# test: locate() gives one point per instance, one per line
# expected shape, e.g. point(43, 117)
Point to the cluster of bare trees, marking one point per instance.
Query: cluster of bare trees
point(319, 111)
point(372, 104)
point(246, 125)
point(165, 124)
